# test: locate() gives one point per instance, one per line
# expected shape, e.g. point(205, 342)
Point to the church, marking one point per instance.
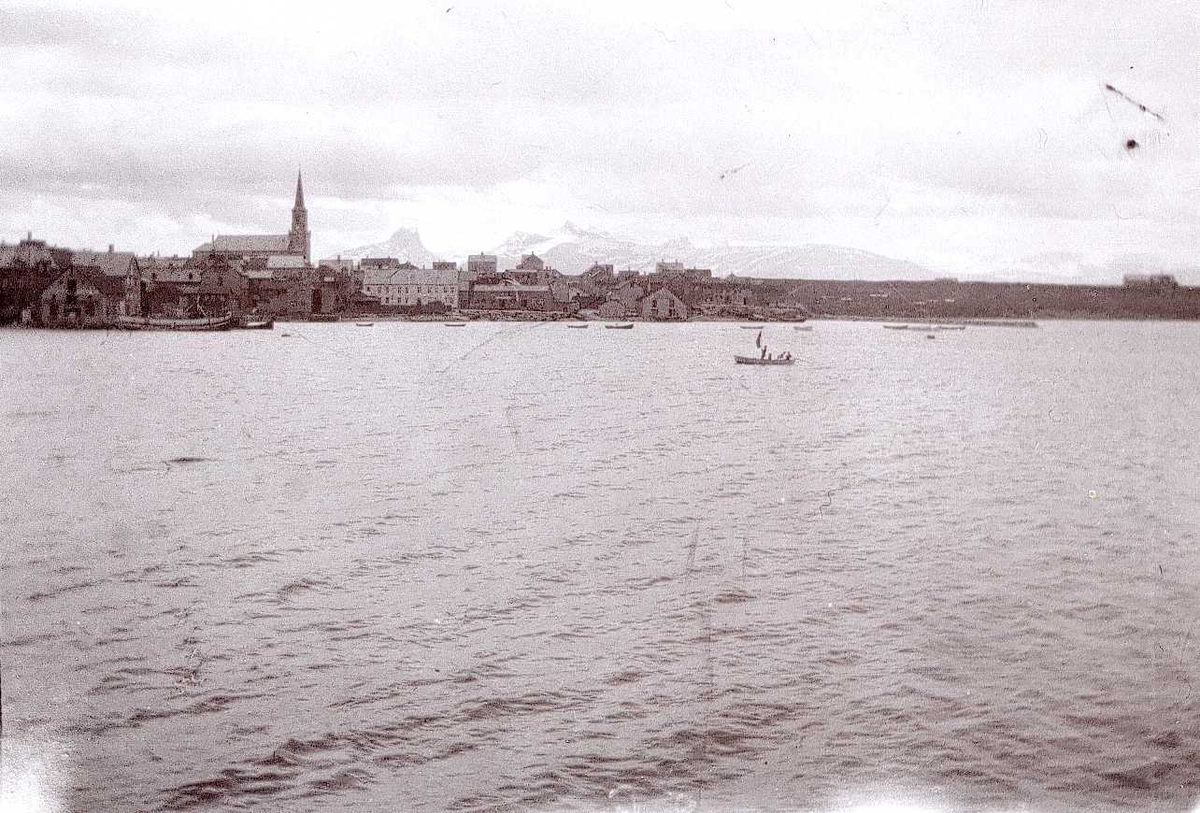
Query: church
point(295, 245)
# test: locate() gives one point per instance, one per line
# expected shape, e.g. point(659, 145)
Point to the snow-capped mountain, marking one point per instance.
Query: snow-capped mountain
point(404, 244)
point(572, 250)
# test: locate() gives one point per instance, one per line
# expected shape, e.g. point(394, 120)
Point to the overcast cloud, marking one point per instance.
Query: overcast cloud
point(973, 137)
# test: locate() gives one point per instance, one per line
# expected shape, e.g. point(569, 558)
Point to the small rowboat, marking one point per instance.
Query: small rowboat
point(751, 327)
point(267, 324)
point(364, 324)
point(455, 324)
point(625, 326)
point(763, 362)
point(578, 327)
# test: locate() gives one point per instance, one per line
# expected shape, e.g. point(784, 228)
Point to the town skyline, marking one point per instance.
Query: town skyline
point(962, 138)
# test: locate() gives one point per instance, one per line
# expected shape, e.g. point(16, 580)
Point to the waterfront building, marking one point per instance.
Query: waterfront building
point(478, 266)
point(718, 294)
point(27, 253)
point(25, 270)
point(531, 271)
point(505, 293)
point(175, 269)
point(348, 265)
point(367, 263)
point(663, 304)
point(402, 286)
point(297, 241)
point(613, 309)
point(481, 265)
point(93, 291)
point(628, 293)
point(119, 266)
point(285, 265)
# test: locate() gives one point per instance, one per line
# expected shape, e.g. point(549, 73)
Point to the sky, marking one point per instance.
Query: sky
point(973, 137)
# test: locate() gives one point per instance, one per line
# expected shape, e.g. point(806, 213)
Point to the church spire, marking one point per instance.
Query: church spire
point(298, 235)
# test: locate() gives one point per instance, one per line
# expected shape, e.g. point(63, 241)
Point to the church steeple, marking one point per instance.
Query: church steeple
point(298, 236)
point(299, 190)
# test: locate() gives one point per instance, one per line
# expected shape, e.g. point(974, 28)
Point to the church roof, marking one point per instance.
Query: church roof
point(235, 243)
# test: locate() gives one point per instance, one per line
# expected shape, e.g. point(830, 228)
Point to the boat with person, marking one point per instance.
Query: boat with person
point(180, 323)
point(765, 357)
point(764, 362)
point(622, 326)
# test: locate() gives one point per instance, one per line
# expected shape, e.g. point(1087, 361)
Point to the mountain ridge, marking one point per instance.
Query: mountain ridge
point(572, 250)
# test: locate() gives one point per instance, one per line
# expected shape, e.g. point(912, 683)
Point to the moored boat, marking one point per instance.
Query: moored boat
point(364, 324)
point(926, 328)
point(455, 324)
point(174, 323)
point(624, 326)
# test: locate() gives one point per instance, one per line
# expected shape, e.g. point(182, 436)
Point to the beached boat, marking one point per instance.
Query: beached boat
point(762, 361)
point(173, 323)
